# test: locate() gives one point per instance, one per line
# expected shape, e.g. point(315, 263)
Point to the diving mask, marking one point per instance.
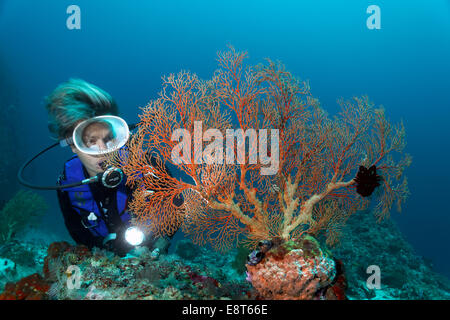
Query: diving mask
point(99, 135)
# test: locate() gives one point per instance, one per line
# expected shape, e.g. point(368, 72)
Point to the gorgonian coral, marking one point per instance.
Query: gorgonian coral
point(313, 187)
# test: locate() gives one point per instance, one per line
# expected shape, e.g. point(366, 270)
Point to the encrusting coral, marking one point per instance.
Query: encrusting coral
point(298, 270)
point(75, 272)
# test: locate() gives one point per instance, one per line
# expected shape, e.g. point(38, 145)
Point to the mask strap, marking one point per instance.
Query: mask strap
point(66, 142)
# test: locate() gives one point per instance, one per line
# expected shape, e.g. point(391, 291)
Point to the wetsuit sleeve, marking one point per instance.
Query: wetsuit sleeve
point(72, 220)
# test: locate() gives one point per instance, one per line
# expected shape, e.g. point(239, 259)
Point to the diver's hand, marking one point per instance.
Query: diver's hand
point(118, 245)
point(121, 248)
point(155, 254)
point(162, 245)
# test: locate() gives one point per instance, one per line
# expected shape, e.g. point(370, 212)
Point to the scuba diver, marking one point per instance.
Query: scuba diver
point(93, 198)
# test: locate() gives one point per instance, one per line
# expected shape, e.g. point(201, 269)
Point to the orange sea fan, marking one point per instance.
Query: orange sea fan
point(313, 189)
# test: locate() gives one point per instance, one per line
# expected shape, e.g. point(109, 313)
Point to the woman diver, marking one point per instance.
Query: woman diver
point(93, 199)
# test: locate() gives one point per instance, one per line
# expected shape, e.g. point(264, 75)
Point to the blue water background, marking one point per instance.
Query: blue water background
point(126, 46)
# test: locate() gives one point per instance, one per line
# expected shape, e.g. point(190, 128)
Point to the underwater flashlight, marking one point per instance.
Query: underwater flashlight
point(134, 236)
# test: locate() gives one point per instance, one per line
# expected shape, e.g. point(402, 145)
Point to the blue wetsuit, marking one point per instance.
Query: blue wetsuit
point(92, 212)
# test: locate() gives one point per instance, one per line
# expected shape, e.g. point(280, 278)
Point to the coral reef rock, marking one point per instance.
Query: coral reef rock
point(295, 270)
point(77, 273)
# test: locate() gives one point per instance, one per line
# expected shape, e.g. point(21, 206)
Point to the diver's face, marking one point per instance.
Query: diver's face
point(95, 135)
point(90, 162)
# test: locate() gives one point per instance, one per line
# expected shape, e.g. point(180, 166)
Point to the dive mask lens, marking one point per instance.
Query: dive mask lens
point(101, 135)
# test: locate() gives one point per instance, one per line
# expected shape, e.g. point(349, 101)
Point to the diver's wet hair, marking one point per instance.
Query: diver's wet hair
point(74, 101)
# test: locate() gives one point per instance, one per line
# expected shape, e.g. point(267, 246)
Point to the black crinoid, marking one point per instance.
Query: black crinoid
point(367, 180)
